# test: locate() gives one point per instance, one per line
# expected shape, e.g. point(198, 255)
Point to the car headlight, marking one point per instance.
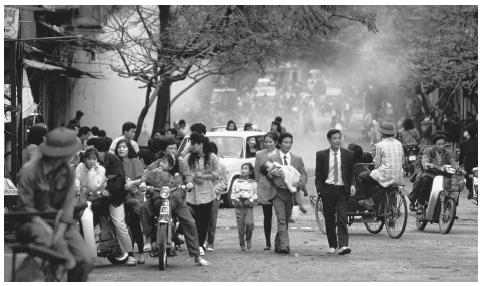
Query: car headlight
point(165, 192)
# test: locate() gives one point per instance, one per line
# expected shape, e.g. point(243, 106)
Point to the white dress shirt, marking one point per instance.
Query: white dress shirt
point(288, 157)
point(330, 177)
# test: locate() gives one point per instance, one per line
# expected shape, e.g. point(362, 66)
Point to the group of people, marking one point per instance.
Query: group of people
point(114, 175)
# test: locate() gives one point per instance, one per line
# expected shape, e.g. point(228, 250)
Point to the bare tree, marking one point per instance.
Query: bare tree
point(160, 45)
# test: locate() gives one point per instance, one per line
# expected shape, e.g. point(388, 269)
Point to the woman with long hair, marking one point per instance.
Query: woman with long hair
point(408, 135)
point(133, 169)
point(231, 126)
point(201, 167)
point(266, 191)
point(275, 126)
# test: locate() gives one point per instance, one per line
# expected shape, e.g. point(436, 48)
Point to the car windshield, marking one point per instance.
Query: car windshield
point(228, 146)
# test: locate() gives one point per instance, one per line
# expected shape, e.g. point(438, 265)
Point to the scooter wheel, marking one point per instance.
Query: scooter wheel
point(162, 242)
point(447, 216)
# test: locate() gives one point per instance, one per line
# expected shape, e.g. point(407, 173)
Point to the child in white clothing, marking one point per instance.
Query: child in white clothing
point(244, 198)
point(290, 178)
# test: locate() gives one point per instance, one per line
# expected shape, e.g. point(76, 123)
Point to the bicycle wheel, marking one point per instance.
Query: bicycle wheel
point(447, 216)
point(396, 214)
point(320, 215)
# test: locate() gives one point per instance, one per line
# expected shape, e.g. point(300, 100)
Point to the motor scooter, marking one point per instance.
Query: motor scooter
point(101, 240)
point(443, 200)
point(410, 156)
point(164, 243)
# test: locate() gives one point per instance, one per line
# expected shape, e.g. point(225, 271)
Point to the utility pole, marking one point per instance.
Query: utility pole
point(13, 113)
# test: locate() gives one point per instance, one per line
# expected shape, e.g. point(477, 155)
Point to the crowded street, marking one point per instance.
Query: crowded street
point(240, 143)
point(375, 257)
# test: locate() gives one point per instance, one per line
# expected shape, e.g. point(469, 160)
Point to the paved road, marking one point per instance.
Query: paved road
point(417, 256)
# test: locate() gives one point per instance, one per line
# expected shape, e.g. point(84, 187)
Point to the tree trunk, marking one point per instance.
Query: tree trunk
point(163, 106)
point(143, 113)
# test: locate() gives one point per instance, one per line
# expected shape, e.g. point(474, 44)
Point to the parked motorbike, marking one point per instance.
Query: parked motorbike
point(474, 175)
point(410, 156)
point(443, 200)
point(101, 240)
point(165, 244)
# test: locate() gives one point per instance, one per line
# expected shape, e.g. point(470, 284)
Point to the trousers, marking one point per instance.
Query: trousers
point(283, 203)
point(213, 222)
point(132, 213)
point(267, 212)
point(245, 224)
point(335, 208)
point(117, 214)
point(201, 214)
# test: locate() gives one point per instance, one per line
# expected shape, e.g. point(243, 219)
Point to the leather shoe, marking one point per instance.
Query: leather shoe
point(344, 250)
point(284, 251)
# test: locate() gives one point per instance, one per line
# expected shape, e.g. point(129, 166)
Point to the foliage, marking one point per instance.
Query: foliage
point(441, 41)
point(163, 44)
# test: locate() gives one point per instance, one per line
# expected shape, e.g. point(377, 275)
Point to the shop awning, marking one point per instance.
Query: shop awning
point(56, 67)
point(41, 66)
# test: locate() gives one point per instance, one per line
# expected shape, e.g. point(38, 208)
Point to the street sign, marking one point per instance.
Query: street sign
point(11, 23)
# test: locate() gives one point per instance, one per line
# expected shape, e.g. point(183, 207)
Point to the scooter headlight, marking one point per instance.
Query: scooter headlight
point(165, 192)
point(450, 170)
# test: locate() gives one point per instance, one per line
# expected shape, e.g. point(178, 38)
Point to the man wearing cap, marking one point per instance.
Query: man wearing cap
point(388, 162)
point(47, 184)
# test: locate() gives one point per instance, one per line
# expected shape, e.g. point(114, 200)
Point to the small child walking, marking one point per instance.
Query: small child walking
point(244, 198)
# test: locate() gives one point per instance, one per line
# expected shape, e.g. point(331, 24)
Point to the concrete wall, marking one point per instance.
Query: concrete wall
point(110, 101)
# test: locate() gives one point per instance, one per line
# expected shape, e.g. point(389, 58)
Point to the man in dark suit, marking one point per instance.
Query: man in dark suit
point(284, 199)
point(334, 184)
point(468, 156)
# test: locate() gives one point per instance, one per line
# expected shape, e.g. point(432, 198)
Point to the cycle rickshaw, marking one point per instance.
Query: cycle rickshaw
point(391, 211)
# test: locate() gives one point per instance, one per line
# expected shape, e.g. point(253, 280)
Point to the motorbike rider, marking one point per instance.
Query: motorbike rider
point(432, 162)
point(113, 197)
point(46, 184)
point(468, 156)
point(156, 175)
point(388, 159)
point(408, 135)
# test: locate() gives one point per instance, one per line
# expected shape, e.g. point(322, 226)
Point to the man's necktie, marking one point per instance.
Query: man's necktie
point(285, 160)
point(336, 174)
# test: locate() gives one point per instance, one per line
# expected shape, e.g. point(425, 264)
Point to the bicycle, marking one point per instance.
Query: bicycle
point(391, 212)
point(51, 261)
